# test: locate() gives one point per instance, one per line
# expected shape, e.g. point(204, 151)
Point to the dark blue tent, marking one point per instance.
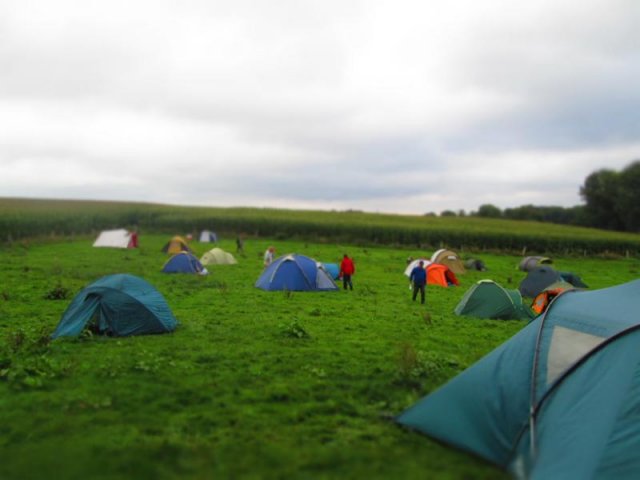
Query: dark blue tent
point(538, 279)
point(117, 305)
point(295, 272)
point(560, 399)
point(183, 262)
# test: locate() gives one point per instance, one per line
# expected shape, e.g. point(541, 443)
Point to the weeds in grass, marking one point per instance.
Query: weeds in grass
point(416, 365)
point(58, 292)
point(293, 330)
point(222, 287)
point(316, 371)
point(24, 362)
point(56, 268)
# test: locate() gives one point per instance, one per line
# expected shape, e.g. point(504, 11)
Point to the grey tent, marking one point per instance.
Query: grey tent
point(529, 263)
point(475, 264)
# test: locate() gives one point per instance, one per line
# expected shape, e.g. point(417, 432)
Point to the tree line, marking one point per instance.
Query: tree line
point(611, 202)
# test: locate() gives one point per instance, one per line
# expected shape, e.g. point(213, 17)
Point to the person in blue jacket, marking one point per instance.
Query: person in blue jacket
point(418, 277)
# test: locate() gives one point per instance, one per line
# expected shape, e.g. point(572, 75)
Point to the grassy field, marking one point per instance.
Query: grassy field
point(252, 384)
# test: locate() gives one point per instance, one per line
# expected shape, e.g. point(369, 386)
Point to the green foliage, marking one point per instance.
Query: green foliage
point(58, 293)
point(613, 198)
point(489, 211)
point(293, 330)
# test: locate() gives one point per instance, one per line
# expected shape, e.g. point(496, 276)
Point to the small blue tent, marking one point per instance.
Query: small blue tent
point(560, 399)
point(332, 269)
point(295, 272)
point(183, 262)
point(118, 305)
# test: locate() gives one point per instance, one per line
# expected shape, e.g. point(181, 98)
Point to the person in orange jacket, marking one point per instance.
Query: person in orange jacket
point(347, 269)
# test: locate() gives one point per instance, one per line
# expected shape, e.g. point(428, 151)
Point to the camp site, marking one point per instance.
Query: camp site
point(113, 368)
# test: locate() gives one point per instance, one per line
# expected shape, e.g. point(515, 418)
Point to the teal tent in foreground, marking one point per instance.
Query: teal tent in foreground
point(559, 400)
point(117, 305)
point(487, 299)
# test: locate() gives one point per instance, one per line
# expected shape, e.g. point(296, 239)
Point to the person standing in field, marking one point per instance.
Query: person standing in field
point(268, 256)
point(418, 277)
point(347, 269)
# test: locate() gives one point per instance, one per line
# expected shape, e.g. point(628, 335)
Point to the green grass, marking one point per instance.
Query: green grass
point(252, 384)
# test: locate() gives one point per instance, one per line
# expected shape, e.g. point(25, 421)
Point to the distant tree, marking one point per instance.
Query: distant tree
point(462, 213)
point(600, 192)
point(628, 198)
point(553, 214)
point(447, 213)
point(430, 214)
point(489, 211)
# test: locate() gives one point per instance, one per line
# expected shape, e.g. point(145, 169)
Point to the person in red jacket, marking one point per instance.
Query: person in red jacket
point(347, 269)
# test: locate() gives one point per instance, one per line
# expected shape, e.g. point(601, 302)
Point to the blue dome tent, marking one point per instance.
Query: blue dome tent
point(184, 262)
point(295, 272)
point(560, 399)
point(119, 305)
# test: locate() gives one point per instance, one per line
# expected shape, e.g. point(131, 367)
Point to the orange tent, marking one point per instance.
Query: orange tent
point(438, 274)
point(542, 300)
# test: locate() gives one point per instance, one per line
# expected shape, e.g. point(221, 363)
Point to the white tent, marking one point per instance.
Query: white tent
point(114, 238)
point(414, 264)
point(217, 256)
point(208, 236)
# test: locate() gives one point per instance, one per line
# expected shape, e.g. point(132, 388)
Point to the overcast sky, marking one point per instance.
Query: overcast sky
point(390, 106)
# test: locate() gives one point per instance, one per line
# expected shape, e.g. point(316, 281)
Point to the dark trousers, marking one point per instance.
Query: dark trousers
point(416, 288)
point(346, 280)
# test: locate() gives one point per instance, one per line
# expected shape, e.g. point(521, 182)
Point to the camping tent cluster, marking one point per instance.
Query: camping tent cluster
point(122, 304)
point(437, 273)
point(296, 272)
point(539, 278)
point(545, 404)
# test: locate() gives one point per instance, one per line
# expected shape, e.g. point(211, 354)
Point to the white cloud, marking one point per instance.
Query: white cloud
point(403, 106)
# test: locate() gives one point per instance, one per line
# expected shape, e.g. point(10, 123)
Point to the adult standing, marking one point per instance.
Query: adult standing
point(347, 269)
point(418, 277)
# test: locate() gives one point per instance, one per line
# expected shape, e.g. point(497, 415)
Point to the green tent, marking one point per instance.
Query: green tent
point(559, 400)
point(487, 299)
point(117, 305)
